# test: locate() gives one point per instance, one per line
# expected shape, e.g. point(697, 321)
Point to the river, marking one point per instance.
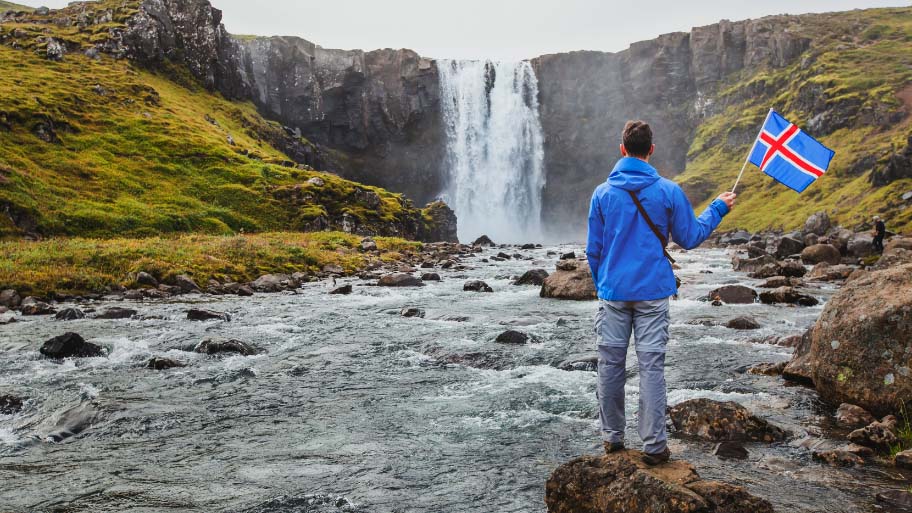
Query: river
point(351, 408)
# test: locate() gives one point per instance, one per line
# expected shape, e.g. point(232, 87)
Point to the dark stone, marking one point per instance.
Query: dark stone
point(568, 256)
point(186, 284)
point(743, 323)
point(10, 298)
point(527, 246)
point(399, 280)
point(412, 312)
point(477, 286)
point(430, 277)
point(144, 278)
point(343, 290)
point(589, 363)
point(32, 306)
point(734, 294)
point(787, 295)
point(245, 291)
point(504, 256)
point(897, 500)
point(730, 451)
point(532, 277)
point(70, 314)
point(70, 345)
point(512, 337)
point(10, 405)
point(788, 247)
point(199, 314)
point(164, 364)
point(213, 346)
point(484, 240)
point(116, 312)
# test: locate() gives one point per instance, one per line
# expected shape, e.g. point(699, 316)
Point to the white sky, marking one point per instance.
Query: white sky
point(498, 29)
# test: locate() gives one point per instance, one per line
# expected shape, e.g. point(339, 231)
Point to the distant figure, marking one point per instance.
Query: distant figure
point(880, 231)
point(630, 218)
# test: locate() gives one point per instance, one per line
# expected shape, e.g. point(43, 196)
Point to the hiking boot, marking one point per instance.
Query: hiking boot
point(611, 447)
point(658, 458)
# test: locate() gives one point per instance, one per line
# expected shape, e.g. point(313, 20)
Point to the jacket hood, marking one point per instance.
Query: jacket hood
point(632, 174)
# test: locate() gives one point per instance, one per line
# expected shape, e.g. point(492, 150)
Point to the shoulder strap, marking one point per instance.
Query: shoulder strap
point(652, 225)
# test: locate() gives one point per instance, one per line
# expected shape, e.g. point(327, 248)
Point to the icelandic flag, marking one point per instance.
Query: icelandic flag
point(789, 155)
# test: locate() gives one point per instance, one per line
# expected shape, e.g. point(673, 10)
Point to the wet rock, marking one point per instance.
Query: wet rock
point(218, 346)
point(344, 290)
point(818, 224)
point(504, 256)
point(116, 312)
point(532, 277)
point(622, 483)
point(146, 279)
point(477, 286)
point(780, 281)
point(767, 271)
point(734, 295)
point(571, 281)
point(568, 256)
point(838, 458)
point(512, 337)
point(200, 314)
point(70, 345)
point(273, 283)
point(852, 417)
point(730, 451)
point(32, 306)
point(245, 291)
point(896, 500)
point(788, 246)
point(821, 253)
point(10, 298)
point(589, 363)
point(800, 368)
point(484, 240)
point(134, 295)
point(768, 369)
point(787, 295)
point(527, 246)
point(749, 265)
point(876, 435)
point(743, 323)
point(826, 272)
point(186, 284)
point(719, 421)
point(791, 269)
point(862, 342)
point(164, 364)
point(412, 312)
point(10, 405)
point(399, 280)
point(70, 314)
point(902, 459)
point(430, 277)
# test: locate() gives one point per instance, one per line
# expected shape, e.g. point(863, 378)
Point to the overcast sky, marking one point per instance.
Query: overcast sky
point(498, 29)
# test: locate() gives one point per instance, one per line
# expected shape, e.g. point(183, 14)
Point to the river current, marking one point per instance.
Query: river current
point(353, 408)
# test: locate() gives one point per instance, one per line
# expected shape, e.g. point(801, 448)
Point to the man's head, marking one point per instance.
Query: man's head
point(637, 140)
point(877, 218)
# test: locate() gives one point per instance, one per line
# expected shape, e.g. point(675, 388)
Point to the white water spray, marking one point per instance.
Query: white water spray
point(495, 153)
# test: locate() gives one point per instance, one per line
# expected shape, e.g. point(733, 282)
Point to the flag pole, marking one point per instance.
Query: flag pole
point(749, 153)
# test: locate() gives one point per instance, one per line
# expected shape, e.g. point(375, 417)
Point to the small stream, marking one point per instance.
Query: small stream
point(354, 408)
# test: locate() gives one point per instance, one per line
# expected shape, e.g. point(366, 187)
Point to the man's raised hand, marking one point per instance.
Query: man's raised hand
point(728, 198)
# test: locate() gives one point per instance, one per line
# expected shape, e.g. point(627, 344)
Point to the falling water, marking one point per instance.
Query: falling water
point(495, 149)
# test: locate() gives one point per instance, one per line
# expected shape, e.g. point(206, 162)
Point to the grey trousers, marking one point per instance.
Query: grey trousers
point(648, 321)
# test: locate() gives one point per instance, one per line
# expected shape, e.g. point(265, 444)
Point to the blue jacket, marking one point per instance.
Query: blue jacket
point(624, 255)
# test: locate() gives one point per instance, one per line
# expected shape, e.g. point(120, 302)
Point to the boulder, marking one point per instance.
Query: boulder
point(477, 286)
point(818, 224)
point(164, 364)
point(743, 323)
point(532, 277)
point(860, 345)
point(200, 314)
point(877, 435)
point(621, 483)
point(780, 281)
point(10, 298)
point(70, 345)
point(800, 368)
point(730, 451)
point(893, 243)
point(768, 369)
point(902, 459)
point(368, 244)
point(852, 417)
point(411, 311)
point(749, 265)
point(860, 245)
point(399, 280)
point(821, 253)
point(826, 272)
point(273, 283)
point(146, 279)
point(739, 237)
point(787, 295)
point(767, 271)
point(245, 291)
point(344, 290)
point(571, 281)
point(568, 256)
point(484, 240)
point(217, 346)
point(430, 277)
point(186, 284)
point(32, 306)
point(893, 258)
point(116, 312)
point(589, 363)
point(10, 405)
point(70, 314)
point(512, 337)
point(719, 421)
point(734, 294)
point(792, 269)
point(787, 247)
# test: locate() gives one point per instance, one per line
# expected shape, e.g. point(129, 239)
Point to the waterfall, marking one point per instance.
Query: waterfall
point(494, 158)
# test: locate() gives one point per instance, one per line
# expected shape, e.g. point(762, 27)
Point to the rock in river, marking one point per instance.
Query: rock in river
point(411, 311)
point(734, 294)
point(9, 404)
point(730, 451)
point(430, 277)
point(532, 277)
point(572, 281)
point(821, 253)
point(70, 345)
point(588, 363)
point(164, 364)
point(116, 312)
point(877, 435)
point(477, 286)
point(512, 337)
point(743, 323)
point(399, 280)
point(852, 417)
point(216, 346)
point(719, 421)
point(484, 240)
point(32, 306)
point(787, 295)
point(70, 314)
point(199, 314)
point(622, 483)
point(344, 290)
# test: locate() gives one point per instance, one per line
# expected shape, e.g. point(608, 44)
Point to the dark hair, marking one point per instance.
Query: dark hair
point(637, 138)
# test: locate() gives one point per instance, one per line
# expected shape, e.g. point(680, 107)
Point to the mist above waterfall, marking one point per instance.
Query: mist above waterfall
point(495, 149)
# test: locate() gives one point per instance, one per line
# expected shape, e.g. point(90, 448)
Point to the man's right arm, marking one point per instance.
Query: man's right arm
point(594, 242)
point(689, 231)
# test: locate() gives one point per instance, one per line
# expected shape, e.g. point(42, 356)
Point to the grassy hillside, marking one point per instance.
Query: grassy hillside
point(10, 6)
point(102, 148)
point(859, 73)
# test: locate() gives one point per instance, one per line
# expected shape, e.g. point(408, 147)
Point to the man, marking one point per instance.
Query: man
point(634, 279)
point(880, 231)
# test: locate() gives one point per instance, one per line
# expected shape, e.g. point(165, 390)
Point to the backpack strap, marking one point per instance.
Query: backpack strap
point(652, 225)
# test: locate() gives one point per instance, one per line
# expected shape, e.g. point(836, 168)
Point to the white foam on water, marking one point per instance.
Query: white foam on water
point(680, 395)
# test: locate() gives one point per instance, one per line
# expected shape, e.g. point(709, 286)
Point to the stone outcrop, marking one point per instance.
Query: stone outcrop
point(621, 483)
point(70, 345)
point(572, 280)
